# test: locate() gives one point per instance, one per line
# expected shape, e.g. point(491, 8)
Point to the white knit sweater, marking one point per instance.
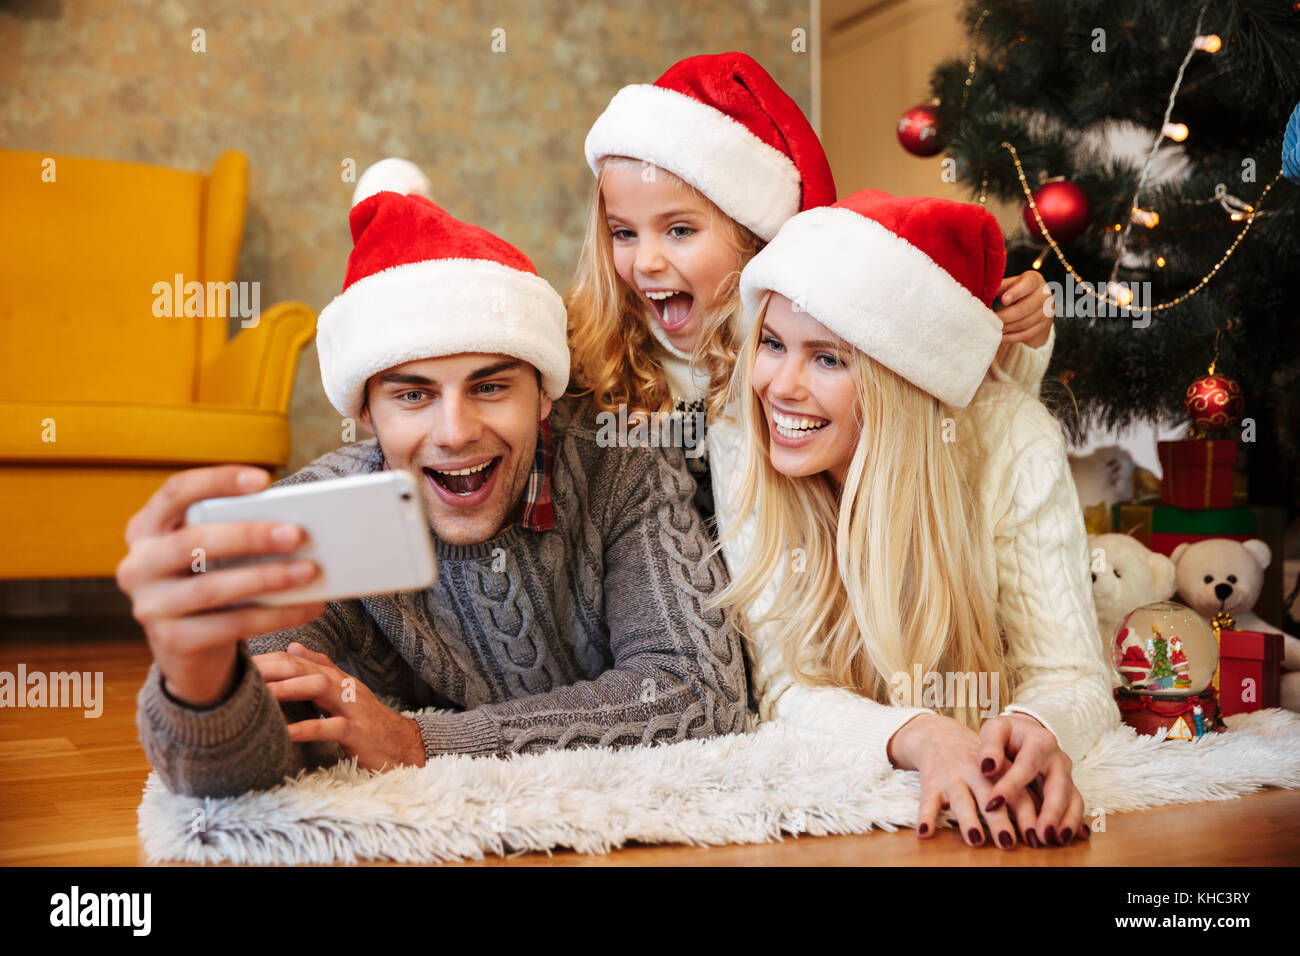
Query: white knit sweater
point(1038, 549)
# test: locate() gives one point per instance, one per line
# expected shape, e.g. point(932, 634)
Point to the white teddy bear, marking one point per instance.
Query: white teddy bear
point(1220, 574)
point(1125, 575)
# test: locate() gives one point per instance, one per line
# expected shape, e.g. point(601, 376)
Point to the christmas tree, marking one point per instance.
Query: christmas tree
point(1062, 81)
point(1160, 669)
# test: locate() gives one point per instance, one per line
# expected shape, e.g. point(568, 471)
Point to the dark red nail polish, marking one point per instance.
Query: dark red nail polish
point(1065, 836)
point(1031, 838)
point(923, 829)
point(975, 836)
point(1006, 839)
point(988, 765)
point(1085, 831)
point(995, 803)
point(1051, 835)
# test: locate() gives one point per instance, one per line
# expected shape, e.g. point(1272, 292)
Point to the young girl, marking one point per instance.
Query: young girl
point(904, 510)
point(694, 174)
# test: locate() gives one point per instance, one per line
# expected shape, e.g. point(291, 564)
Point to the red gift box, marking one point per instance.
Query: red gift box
point(1250, 671)
point(1163, 542)
point(1197, 474)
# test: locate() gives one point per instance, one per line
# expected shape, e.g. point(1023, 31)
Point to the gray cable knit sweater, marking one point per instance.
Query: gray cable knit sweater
point(593, 634)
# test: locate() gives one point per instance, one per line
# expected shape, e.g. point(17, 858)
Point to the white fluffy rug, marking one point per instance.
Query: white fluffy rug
point(744, 788)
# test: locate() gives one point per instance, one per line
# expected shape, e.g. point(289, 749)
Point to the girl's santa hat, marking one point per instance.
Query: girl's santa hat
point(910, 280)
point(722, 124)
point(422, 284)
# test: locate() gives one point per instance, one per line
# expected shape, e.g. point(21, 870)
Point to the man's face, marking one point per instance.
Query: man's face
point(466, 426)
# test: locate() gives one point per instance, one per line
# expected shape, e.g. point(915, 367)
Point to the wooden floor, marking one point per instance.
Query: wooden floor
point(69, 788)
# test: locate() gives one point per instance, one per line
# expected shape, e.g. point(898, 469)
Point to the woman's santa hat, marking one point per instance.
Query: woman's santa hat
point(722, 124)
point(422, 284)
point(910, 280)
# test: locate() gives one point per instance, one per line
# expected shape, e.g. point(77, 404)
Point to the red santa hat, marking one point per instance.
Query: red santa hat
point(722, 124)
point(910, 280)
point(422, 284)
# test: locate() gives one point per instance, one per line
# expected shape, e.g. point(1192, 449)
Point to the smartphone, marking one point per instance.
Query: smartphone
point(367, 533)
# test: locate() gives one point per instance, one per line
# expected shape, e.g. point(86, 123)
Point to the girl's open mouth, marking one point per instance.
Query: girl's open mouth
point(673, 309)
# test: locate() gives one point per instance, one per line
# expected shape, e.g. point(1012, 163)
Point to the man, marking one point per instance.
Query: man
point(570, 605)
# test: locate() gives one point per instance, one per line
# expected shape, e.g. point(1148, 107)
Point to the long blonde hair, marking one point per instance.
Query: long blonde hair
point(890, 573)
point(610, 342)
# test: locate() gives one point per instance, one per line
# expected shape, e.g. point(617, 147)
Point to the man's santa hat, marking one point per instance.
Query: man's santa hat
point(422, 284)
point(722, 124)
point(910, 280)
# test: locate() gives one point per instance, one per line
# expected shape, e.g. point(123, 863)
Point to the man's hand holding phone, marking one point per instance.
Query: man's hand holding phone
point(180, 608)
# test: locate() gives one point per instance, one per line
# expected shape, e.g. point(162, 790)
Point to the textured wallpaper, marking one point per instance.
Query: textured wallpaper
point(301, 86)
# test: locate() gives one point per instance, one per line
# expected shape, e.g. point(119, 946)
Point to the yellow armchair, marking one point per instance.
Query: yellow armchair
point(107, 385)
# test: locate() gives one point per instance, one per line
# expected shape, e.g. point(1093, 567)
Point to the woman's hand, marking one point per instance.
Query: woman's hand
point(1028, 309)
point(1015, 750)
point(954, 763)
point(948, 754)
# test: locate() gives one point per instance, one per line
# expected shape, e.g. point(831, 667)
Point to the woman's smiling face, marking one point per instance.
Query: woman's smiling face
point(803, 380)
point(666, 246)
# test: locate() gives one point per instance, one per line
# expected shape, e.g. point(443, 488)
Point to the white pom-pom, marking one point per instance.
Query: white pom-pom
point(392, 175)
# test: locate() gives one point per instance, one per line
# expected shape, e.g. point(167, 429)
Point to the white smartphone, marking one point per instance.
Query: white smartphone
point(367, 533)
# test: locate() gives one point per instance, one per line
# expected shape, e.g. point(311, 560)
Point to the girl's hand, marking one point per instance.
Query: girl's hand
point(1033, 752)
point(948, 756)
point(1028, 309)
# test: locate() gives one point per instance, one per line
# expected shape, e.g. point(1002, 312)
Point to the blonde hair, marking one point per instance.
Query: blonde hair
point(609, 340)
point(892, 574)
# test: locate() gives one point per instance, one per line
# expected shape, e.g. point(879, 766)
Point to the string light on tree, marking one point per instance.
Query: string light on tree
point(1145, 217)
point(1087, 286)
point(1175, 131)
point(1236, 208)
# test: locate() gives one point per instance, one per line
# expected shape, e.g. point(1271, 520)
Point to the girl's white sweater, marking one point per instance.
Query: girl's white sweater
point(1038, 551)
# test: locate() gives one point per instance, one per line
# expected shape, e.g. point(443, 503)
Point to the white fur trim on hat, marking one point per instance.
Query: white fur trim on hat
point(876, 290)
point(436, 308)
point(392, 175)
point(747, 179)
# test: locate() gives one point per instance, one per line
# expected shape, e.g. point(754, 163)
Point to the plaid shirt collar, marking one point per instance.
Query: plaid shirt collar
point(536, 512)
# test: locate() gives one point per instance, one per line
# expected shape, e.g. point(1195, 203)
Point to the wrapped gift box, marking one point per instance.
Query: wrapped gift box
point(1250, 671)
point(1197, 474)
point(1162, 528)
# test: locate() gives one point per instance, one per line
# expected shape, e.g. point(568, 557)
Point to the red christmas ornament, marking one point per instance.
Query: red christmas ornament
point(1214, 401)
point(1065, 210)
point(918, 130)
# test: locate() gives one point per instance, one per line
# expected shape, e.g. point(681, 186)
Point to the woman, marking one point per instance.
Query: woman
point(693, 174)
point(903, 508)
